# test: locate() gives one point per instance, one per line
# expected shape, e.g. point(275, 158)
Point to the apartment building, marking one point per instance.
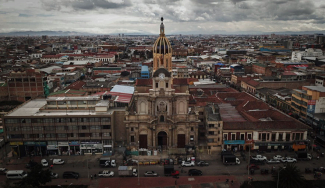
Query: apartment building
point(63, 126)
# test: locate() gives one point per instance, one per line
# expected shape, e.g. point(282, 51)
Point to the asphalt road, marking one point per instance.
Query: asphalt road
point(215, 168)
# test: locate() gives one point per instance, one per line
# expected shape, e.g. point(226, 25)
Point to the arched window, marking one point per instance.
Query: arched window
point(162, 118)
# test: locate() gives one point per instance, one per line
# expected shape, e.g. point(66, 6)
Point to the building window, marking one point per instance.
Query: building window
point(273, 137)
point(156, 85)
point(94, 134)
point(233, 136)
point(280, 137)
point(132, 138)
point(242, 136)
point(211, 132)
point(166, 85)
point(192, 128)
point(132, 129)
point(106, 134)
point(225, 136)
point(105, 119)
point(287, 137)
point(211, 125)
point(106, 127)
point(162, 118)
point(191, 138)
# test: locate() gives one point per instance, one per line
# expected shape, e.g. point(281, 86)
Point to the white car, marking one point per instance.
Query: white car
point(106, 173)
point(187, 163)
point(58, 161)
point(289, 160)
point(54, 175)
point(278, 157)
point(273, 161)
point(44, 162)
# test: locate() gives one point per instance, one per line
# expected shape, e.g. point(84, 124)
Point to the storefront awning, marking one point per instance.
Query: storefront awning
point(230, 142)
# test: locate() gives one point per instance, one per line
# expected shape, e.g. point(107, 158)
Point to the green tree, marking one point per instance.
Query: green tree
point(290, 177)
point(36, 177)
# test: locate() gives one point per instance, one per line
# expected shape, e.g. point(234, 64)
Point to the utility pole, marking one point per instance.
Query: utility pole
point(5, 150)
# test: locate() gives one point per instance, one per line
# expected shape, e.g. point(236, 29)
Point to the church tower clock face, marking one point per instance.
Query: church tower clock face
point(161, 76)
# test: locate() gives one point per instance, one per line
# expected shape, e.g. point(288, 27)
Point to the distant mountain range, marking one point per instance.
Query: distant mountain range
point(40, 33)
point(216, 32)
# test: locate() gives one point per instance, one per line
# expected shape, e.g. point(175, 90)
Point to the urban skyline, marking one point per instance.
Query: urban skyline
point(182, 16)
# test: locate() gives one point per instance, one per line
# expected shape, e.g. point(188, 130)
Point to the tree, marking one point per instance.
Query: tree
point(35, 177)
point(290, 177)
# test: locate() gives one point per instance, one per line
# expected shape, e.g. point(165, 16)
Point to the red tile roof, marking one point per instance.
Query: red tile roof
point(180, 81)
point(264, 125)
point(144, 82)
point(253, 83)
point(76, 85)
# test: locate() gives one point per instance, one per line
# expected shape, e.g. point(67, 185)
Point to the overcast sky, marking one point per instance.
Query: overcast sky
point(181, 16)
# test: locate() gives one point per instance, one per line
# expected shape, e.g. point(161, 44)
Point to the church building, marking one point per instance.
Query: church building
point(159, 115)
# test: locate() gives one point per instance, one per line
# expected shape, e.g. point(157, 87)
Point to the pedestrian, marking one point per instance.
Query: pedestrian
point(91, 176)
point(95, 176)
point(51, 167)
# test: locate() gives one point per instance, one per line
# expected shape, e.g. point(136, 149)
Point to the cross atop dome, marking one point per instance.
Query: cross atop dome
point(162, 27)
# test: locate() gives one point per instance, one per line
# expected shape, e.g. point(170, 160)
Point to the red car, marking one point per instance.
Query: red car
point(253, 166)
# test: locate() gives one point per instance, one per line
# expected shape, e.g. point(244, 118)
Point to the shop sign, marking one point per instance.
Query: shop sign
point(52, 147)
point(63, 144)
point(16, 143)
point(29, 143)
point(91, 146)
point(74, 143)
point(234, 142)
point(40, 143)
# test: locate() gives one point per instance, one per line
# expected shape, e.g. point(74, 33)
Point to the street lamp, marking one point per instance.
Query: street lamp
point(279, 176)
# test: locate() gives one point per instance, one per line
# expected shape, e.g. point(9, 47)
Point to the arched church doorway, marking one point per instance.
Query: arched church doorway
point(162, 139)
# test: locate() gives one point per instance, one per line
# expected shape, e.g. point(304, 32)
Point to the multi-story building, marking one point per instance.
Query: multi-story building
point(159, 115)
point(64, 126)
point(26, 85)
point(214, 126)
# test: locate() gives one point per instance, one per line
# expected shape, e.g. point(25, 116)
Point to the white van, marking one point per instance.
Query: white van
point(16, 174)
point(58, 161)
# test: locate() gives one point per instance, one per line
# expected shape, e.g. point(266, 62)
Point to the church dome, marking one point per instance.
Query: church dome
point(162, 44)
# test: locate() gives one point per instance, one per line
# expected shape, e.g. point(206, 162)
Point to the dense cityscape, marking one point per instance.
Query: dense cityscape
point(153, 110)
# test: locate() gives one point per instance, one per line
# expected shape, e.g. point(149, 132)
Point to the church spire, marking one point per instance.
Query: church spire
point(162, 27)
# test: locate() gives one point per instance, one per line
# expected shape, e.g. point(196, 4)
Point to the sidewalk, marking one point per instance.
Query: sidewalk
point(170, 182)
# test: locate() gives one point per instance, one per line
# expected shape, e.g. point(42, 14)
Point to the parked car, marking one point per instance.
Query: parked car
point(253, 166)
point(44, 162)
point(289, 160)
point(3, 171)
point(31, 164)
point(150, 174)
point(70, 175)
point(202, 163)
point(58, 161)
point(195, 172)
point(106, 173)
point(273, 161)
point(187, 163)
point(278, 157)
point(54, 175)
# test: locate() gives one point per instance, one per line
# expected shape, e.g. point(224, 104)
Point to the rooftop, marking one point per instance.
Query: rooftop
point(32, 108)
point(315, 88)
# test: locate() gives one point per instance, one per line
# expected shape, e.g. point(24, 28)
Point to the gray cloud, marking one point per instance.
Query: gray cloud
point(85, 4)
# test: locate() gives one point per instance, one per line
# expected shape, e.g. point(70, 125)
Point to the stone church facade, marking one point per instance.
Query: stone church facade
point(158, 115)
